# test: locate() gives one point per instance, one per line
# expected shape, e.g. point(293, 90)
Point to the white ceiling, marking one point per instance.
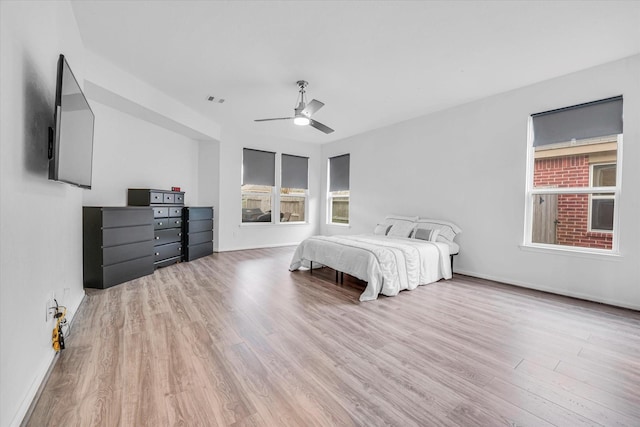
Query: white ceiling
point(371, 63)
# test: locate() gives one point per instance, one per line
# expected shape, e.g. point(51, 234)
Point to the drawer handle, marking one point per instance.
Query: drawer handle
point(179, 249)
point(157, 253)
point(157, 237)
point(179, 234)
point(160, 223)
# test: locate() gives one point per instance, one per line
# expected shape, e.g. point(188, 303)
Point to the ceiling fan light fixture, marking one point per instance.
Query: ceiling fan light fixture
point(301, 121)
point(303, 111)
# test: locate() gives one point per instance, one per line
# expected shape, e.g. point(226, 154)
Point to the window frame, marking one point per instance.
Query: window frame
point(252, 223)
point(276, 195)
point(531, 191)
point(600, 197)
point(332, 194)
point(306, 206)
point(279, 191)
point(272, 193)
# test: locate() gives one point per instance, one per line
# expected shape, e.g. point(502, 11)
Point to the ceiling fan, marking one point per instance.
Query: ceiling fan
point(304, 111)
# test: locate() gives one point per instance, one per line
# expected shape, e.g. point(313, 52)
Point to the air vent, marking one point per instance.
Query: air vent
point(214, 99)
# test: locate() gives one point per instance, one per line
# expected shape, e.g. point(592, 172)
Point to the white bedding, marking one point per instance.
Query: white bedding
point(388, 264)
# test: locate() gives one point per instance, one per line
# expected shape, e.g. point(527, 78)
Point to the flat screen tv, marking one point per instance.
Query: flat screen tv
point(71, 141)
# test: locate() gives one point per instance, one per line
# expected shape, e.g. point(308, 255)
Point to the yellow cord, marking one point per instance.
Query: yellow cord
point(57, 338)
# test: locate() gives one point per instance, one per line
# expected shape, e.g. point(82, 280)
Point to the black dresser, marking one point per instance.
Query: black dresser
point(167, 222)
point(117, 245)
point(198, 226)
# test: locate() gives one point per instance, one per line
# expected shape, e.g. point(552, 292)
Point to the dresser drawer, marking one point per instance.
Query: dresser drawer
point(147, 196)
point(125, 271)
point(202, 237)
point(175, 222)
point(167, 251)
point(171, 235)
point(199, 213)
point(124, 235)
point(198, 251)
point(156, 198)
point(161, 223)
point(123, 217)
point(197, 226)
point(175, 212)
point(159, 212)
point(121, 253)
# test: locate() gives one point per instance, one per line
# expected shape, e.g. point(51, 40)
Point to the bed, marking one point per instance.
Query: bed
point(402, 254)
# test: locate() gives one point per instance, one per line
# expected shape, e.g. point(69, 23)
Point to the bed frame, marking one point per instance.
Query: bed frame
point(340, 274)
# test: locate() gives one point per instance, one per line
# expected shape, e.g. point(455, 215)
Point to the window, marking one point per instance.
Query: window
point(574, 180)
point(293, 188)
point(258, 183)
point(601, 205)
point(338, 194)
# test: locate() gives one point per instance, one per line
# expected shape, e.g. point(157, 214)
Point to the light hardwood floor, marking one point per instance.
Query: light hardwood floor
point(235, 339)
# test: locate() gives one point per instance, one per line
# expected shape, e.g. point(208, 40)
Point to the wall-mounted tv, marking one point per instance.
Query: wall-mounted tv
point(71, 141)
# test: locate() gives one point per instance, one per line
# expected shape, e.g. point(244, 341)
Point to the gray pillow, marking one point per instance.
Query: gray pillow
point(426, 234)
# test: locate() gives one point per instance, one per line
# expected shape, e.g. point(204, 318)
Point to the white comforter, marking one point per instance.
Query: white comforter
point(389, 265)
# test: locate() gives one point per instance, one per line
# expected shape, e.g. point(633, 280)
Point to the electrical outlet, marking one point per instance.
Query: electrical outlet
point(50, 310)
point(65, 296)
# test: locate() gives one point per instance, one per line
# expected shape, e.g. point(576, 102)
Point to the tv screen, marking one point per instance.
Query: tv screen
point(71, 145)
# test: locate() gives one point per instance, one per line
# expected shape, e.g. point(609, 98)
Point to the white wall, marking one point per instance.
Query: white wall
point(115, 87)
point(133, 153)
point(40, 220)
point(232, 234)
point(209, 181)
point(467, 164)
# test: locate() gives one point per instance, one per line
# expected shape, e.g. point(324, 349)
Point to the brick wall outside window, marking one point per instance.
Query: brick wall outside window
point(573, 209)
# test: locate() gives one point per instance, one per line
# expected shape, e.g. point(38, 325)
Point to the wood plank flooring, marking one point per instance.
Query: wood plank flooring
point(235, 339)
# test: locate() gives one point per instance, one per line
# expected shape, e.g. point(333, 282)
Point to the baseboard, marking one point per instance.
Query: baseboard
point(537, 287)
point(35, 391)
point(25, 414)
point(246, 248)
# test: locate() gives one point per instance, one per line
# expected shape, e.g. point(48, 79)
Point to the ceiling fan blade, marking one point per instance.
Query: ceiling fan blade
point(279, 118)
point(312, 107)
point(320, 126)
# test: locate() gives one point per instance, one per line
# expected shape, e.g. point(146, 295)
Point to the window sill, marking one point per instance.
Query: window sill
point(573, 251)
point(599, 234)
point(275, 224)
point(334, 224)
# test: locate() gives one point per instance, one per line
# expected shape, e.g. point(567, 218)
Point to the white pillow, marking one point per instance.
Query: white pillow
point(391, 218)
point(401, 229)
point(426, 234)
point(381, 229)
